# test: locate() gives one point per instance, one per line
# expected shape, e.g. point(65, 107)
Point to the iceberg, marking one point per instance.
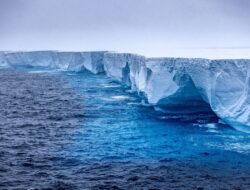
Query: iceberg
point(123, 67)
point(91, 61)
point(220, 85)
point(48, 59)
point(225, 84)
point(180, 83)
point(3, 62)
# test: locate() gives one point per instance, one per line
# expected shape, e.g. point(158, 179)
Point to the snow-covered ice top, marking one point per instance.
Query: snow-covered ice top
point(224, 85)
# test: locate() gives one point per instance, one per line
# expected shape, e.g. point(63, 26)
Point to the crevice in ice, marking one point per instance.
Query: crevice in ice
point(125, 75)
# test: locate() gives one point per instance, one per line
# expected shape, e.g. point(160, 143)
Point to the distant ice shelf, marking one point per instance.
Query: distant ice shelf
point(222, 85)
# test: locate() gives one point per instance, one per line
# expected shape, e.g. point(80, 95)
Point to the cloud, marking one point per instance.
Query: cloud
point(147, 26)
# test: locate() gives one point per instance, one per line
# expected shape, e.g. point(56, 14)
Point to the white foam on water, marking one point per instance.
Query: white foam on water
point(121, 97)
point(212, 131)
point(238, 147)
point(110, 85)
point(134, 103)
point(212, 125)
point(117, 98)
point(43, 71)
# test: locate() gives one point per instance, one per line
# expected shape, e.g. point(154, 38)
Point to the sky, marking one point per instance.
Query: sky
point(154, 28)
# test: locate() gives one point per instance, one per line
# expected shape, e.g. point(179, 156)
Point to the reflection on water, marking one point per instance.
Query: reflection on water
point(63, 130)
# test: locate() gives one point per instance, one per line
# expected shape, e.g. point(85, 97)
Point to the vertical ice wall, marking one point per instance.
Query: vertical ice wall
point(170, 84)
point(3, 62)
point(38, 58)
point(123, 67)
point(222, 85)
point(91, 61)
point(225, 84)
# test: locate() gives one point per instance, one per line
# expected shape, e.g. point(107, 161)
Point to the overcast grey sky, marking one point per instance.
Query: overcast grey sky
point(187, 28)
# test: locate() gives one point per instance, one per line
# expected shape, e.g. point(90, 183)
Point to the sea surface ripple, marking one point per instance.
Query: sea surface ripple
point(65, 130)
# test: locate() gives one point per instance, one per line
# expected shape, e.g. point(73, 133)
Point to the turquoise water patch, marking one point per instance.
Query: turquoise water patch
point(118, 126)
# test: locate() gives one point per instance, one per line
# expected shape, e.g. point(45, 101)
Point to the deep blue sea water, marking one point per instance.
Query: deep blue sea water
point(66, 130)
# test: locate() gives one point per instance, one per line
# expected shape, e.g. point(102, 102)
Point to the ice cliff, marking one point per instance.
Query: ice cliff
point(74, 61)
point(222, 85)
